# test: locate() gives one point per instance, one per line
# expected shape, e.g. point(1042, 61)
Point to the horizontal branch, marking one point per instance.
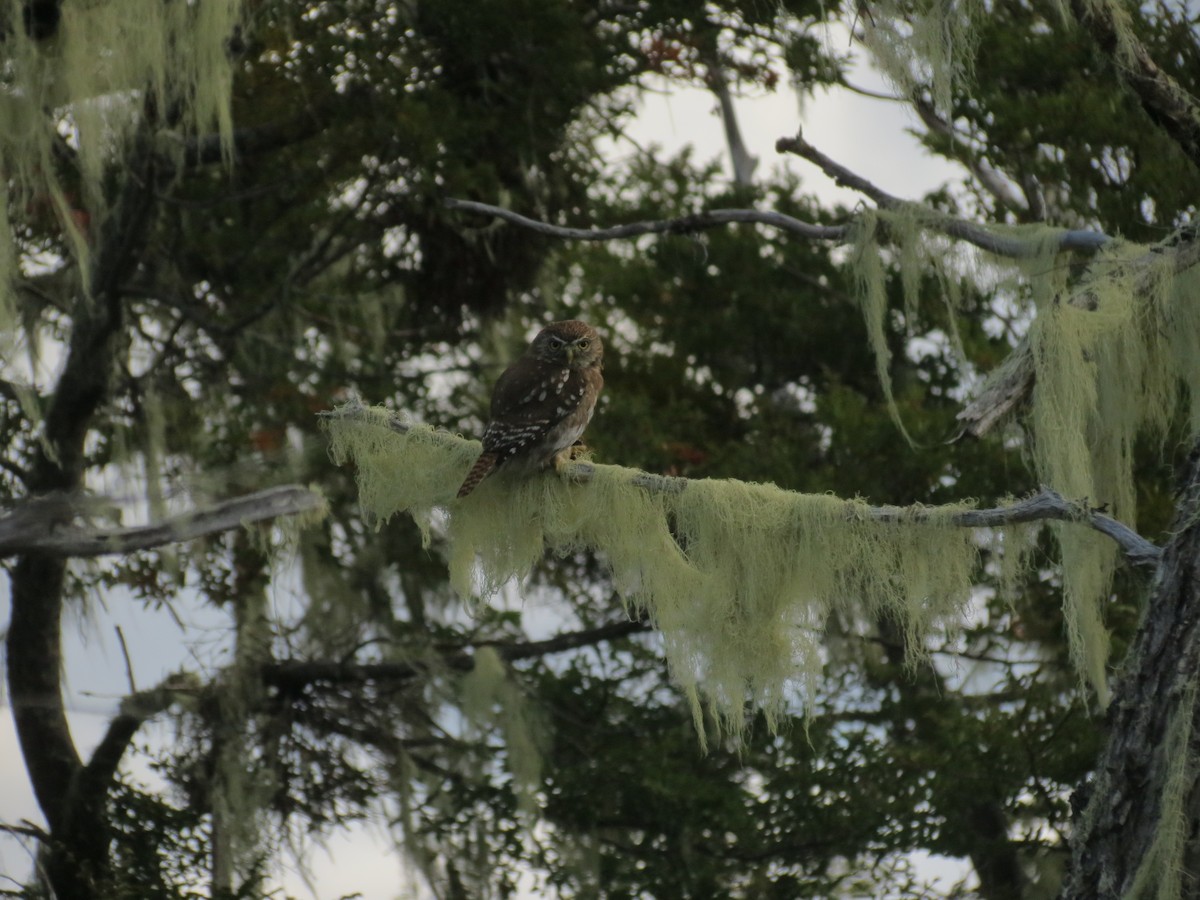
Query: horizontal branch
point(1047, 505)
point(293, 675)
point(680, 225)
point(43, 524)
point(978, 235)
point(1009, 386)
point(960, 229)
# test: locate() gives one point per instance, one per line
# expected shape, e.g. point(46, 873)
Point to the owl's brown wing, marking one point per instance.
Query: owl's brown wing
point(538, 409)
point(531, 402)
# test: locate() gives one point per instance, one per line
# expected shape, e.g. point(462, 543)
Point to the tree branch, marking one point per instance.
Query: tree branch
point(960, 229)
point(37, 524)
point(1165, 100)
point(1047, 505)
point(681, 225)
point(992, 181)
point(293, 675)
point(1010, 384)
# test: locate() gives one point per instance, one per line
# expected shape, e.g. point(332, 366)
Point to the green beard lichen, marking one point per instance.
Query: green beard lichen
point(738, 578)
point(1107, 372)
point(89, 87)
point(1161, 875)
point(925, 48)
point(492, 701)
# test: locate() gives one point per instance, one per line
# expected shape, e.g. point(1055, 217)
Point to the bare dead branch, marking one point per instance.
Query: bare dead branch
point(988, 177)
point(1047, 505)
point(959, 229)
point(1007, 387)
point(128, 661)
point(681, 225)
point(38, 525)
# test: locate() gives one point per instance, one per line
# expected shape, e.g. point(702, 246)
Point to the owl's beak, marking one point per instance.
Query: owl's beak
point(572, 350)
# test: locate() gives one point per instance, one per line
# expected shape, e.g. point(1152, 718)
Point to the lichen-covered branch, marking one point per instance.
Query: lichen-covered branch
point(37, 525)
point(1008, 388)
point(1047, 505)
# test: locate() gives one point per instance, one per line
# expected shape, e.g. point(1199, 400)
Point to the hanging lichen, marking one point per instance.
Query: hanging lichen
point(739, 578)
point(870, 274)
point(72, 99)
point(492, 701)
point(1109, 367)
point(925, 48)
point(1161, 875)
point(917, 255)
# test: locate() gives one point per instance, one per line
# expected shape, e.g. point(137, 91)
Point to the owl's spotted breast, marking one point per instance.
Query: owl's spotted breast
point(542, 403)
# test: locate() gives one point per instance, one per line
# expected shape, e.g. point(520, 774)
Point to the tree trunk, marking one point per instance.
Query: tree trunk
point(1138, 816)
point(72, 794)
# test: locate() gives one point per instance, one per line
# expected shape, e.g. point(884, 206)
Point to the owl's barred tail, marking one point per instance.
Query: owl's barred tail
point(482, 468)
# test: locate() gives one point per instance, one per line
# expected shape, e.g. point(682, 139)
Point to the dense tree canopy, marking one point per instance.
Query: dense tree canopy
point(224, 218)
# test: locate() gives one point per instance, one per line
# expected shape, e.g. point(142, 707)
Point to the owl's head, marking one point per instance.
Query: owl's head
point(571, 343)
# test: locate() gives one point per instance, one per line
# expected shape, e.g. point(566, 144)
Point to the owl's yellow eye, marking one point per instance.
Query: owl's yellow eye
point(583, 345)
point(555, 344)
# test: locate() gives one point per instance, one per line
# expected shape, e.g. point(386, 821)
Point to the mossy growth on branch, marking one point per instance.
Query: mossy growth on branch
point(739, 578)
point(1116, 355)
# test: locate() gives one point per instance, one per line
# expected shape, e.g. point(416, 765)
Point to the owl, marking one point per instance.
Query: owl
point(542, 402)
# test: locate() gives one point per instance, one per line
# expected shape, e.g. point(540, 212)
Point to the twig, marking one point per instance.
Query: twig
point(128, 663)
point(25, 829)
point(961, 229)
point(1047, 505)
point(42, 524)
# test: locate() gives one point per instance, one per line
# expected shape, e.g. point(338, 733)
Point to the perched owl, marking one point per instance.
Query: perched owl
point(542, 402)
